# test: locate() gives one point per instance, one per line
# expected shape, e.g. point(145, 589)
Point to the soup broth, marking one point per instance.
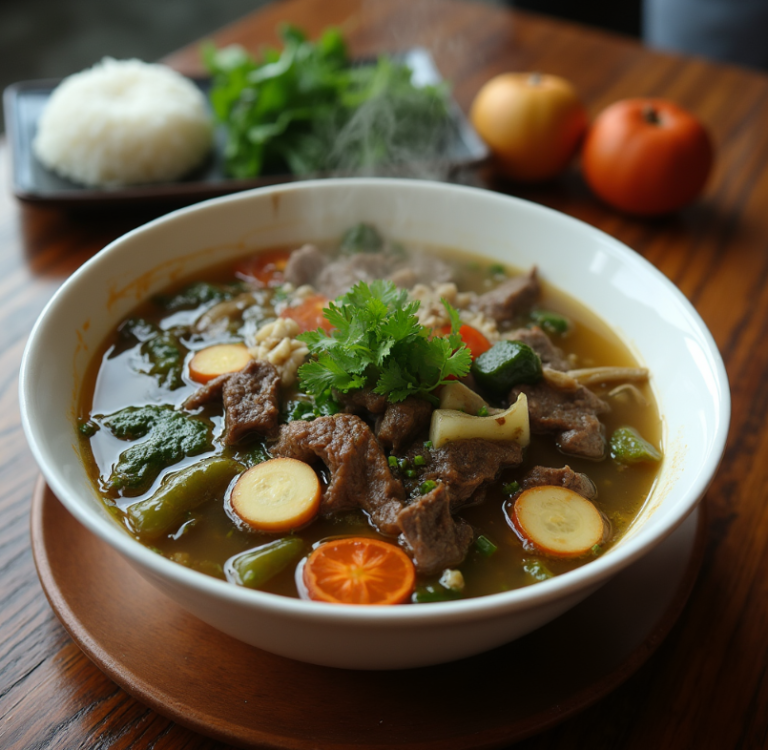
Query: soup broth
point(146, 362)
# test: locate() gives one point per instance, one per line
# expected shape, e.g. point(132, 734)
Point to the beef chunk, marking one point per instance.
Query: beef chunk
point(251, 401)
point(250, 396)
point(549, 354)
point(436, 540)
point(570, 415)
point(465, 466)
point(395, 425)
point(540, 476)
point(403, 422)
point(360, 475)
point(304, 265)
point(363, 402)
point(511, 298)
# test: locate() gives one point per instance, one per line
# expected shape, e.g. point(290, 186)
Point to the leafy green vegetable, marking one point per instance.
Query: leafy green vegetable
point(377, 341)
point(629, 447)
point(193, 295)
point(166, 359)
point(169, 436)
point(161, 351)
point(308, 109)
point(434, 593)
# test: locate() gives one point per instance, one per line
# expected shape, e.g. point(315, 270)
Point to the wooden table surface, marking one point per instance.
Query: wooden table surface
point(706, 686)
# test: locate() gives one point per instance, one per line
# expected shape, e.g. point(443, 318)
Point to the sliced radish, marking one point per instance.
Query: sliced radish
point(281, 494)
point(557, 521)
point(218, 359)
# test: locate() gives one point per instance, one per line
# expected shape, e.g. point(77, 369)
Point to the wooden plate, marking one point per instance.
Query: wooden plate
point(198, 677)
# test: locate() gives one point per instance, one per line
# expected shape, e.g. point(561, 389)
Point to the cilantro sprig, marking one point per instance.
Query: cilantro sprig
point(377, 341)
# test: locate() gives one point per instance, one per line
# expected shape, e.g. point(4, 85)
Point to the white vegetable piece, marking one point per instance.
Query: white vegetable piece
point(511, 425)
point(281, 494)
point(457, 396)
point(558, 521)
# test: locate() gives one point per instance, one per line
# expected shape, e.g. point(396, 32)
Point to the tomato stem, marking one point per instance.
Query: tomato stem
point(651, 115)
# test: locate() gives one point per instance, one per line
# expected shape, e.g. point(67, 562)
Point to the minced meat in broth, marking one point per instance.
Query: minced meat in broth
point(144, 418)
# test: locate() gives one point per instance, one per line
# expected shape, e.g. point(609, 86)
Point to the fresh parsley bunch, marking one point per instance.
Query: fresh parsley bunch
point(308, 109)
point(377, 341)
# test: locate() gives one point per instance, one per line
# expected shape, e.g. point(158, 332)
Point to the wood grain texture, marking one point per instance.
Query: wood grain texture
point(707, 685)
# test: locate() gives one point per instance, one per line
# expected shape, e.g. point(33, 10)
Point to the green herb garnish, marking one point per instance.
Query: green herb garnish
point(378, 342)
point(307, 108)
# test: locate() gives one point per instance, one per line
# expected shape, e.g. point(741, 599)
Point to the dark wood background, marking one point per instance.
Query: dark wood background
point(706, 685)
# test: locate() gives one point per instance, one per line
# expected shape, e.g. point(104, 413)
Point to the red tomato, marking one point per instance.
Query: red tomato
point(472, 338)
point(265, 267)
point(309, 314)
point(646, 156)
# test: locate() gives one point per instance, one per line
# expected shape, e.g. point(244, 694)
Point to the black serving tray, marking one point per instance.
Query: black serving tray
point(31, 181)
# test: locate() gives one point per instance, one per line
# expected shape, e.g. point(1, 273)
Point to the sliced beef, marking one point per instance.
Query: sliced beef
point(550, 355)
point(360, 476)
point(395, 425)
point(304, 265)
point(511, 298)
point(435, 539)
point(403, 422)
point(570, 415)
point(250, 397)
point(464, 467)
point(540, 476)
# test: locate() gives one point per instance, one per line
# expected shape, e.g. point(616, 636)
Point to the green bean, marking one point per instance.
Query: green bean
point(179, 493)
point(256, 566)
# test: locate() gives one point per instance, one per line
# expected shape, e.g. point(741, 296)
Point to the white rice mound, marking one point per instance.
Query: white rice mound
point(124, 122)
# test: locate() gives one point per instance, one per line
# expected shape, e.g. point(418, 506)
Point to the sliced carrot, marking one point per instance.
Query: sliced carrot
point(267, 267)
point(278, 495)
point(475, 341)
point(359, 570)
point(557, 521)
point(207, 364)
point(309, 314)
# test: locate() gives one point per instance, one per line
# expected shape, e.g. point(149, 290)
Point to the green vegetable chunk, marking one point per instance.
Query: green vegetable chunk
point(506, 364)
point(377, 341)
point(362, 238)
point(629, 447)
point(551, 322)
point(434, 593)
point(256, 566)
point(169, 436)
point(180, 493)
point(485, 546)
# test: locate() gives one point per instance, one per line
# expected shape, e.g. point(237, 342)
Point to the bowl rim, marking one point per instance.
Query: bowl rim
point(498, 604)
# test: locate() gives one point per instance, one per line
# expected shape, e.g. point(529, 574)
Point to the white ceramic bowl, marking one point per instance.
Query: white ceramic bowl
point(648, 312)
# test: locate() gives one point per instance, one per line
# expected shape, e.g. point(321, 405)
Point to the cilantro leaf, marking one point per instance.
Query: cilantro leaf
point(378, 342)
